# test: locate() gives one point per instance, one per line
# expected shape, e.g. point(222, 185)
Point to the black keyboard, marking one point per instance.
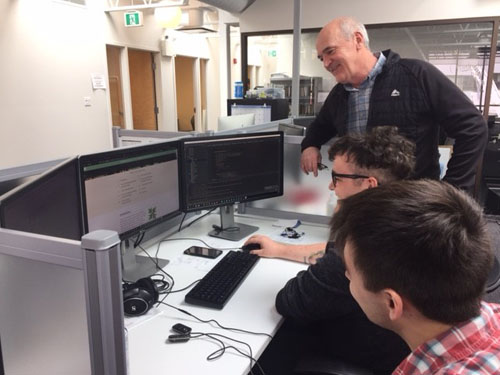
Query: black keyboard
point(220, 283)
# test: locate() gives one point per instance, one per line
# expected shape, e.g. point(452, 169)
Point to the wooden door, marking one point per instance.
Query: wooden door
point(142, 89)
point(115, 85)
point(184, 87)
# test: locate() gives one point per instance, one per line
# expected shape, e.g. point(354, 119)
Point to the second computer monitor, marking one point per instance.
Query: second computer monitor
point(130, 190)
point(223, 170)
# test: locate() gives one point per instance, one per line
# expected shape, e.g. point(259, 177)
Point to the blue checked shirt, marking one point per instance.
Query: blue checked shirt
point(359, 99)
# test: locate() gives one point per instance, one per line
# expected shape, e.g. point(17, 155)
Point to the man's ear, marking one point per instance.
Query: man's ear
point(394, 304)
point(358, 37)
point(372, 182)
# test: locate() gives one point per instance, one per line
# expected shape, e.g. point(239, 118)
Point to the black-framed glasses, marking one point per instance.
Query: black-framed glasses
point(336, 176)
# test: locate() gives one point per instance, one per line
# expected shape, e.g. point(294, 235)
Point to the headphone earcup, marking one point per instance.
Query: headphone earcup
point(148, 284)
point(139, 297)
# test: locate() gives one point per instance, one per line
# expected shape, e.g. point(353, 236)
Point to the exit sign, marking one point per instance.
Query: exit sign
point(133, 18)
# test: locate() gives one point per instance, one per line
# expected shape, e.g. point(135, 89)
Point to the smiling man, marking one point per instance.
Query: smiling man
point(417, 257)
point(381, 88)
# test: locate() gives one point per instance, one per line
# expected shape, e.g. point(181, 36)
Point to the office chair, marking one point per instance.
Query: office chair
point(493, 227)
point(494, 277)
point(320, 365)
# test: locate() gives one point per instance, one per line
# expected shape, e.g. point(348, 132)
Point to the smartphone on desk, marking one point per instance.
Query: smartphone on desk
point(203, 252)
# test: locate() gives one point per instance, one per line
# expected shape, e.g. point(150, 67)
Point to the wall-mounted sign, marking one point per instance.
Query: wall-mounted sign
point(133, 18)
point(98, 81)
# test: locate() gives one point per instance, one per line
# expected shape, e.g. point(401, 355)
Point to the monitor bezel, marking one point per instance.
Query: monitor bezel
point(34, 183)
point(215, 138)
point(87, 159)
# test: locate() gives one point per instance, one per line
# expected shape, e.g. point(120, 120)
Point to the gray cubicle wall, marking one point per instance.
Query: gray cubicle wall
point(61, 310)
point(15, 176)
point(129, 137)
point(305, 197)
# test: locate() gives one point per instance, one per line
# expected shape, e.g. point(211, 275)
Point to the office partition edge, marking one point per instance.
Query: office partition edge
point(98, 256)
point(104, 302)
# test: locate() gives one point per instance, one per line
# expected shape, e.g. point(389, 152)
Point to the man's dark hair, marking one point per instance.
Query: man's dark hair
point(424, 239)
point(383, 151)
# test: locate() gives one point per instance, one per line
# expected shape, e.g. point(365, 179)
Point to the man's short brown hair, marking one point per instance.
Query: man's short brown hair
point(424, 239)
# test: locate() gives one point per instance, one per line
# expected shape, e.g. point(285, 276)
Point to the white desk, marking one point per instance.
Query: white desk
point(250, 308)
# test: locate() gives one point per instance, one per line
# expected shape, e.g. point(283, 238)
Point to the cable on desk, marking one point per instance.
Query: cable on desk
point(216, 322)
point(229, 229)
point(155, 261)
point(220, 352)
point(139, 238)
point(195, 220)
point(185, 288)
point(182, 220)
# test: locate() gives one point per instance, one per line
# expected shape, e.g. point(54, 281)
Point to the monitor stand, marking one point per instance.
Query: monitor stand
point(229, 230)
point(135, 267)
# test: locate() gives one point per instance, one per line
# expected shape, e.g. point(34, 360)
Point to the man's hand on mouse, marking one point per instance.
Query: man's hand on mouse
point(268, 247)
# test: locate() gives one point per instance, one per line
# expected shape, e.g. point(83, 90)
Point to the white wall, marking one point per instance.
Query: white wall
point(148, 38)
point(262, 15)
point(49, 50)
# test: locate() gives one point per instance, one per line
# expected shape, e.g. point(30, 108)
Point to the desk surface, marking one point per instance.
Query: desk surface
point(250, 308)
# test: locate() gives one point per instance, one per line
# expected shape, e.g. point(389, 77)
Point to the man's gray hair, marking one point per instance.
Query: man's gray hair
point(349, 25)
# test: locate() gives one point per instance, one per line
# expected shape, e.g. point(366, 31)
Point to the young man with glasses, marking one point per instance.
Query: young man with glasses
point(318, 299)
point(360, 162)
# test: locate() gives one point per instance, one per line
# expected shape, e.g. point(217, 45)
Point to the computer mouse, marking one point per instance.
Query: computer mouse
point(251, 246)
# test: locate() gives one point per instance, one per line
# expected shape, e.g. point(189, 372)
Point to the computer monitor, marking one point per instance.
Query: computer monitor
point(235, 121)
point(130, 190)
point(222, 170)
point(48, 204)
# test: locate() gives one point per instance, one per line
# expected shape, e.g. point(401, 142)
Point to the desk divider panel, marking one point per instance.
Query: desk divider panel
point(61, 309)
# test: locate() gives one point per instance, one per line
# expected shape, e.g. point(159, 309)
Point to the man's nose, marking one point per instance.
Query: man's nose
point(326, 62)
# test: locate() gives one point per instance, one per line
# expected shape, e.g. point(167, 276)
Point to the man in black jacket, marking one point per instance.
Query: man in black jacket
point(382, 88)
point(321, 315)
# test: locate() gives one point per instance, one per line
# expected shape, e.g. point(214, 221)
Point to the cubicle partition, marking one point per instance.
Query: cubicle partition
point(129, 137)
point(305, 197)
point(15, 176)
point(61, 310)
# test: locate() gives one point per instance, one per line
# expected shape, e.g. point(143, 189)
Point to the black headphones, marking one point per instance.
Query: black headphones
point(139, 297)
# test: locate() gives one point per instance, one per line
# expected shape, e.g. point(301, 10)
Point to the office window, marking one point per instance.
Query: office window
point(270, 62)
point(271, 55)
point(495, 92)
point(461, 50)
point(234, 59)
